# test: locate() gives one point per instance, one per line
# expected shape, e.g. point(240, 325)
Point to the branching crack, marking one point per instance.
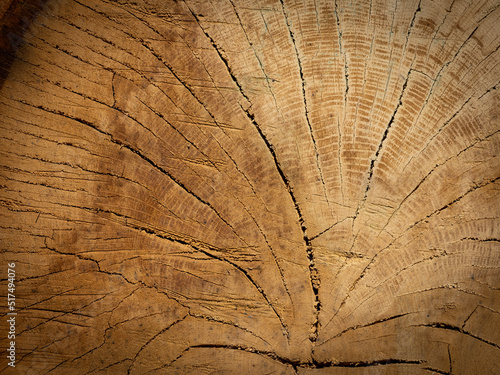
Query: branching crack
point(153, 338)
point(379, 148)
point(307, 240)
point(188, 87)
point(436, 212)
point(460, 330)
point(221, 55)
point(301, 364)
point(224, 59)
point(203, 248)
point(315, 278)
point(147, 230)
point(139, 154)
point(229, 323)
point(364, 326)
point(270, 147)
point(473, 188)
point(432, 171)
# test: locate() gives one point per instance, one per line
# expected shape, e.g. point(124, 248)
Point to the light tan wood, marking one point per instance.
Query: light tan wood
point(297, 187)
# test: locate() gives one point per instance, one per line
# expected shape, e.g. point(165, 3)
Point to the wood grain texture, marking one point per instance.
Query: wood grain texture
point(253, 186)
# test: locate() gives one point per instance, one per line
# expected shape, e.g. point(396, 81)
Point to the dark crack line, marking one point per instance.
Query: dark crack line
point(453, 287)
point(448, 11)
point(346, 71)
point(364, 326)
point(306, 111)
point(432, 369)
point(233, 77)
point(445, 65)
point(315, 278)
point(270, 147)
point(436, 212)
point(207, 159)
point(380, 362)
point(419, 9)
point(220, 53)
point(450, 327)
point(271, 250)
point(127, 65)
point(96, 36)
point(489, 239)
point(233, 264)
point(76, 166)
point(379, 148)
point(330, 227)
point(433, 169)
point(456, 200)
point(289, 188)
point(232, 324)
point(161, 60)
point(144, 157)
point(188, 87)
point(267, 78)
point(197, 247)
point(493, 88)
point(435, 82)
point(153, 338)
point(449, 358)
point(295, 364)
point(136, 152)
point(108, 366)
point(61, 313)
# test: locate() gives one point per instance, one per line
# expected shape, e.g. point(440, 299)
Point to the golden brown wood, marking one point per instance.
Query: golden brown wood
point(233, 186)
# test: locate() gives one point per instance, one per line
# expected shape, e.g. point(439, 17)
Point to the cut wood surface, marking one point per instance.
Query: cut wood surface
point(251, 187)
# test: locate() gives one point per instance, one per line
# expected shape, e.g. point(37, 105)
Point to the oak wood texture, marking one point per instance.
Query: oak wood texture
point(251, 187)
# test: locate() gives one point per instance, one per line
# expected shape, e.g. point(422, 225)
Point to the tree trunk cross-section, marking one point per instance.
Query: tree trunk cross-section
point(251, 186)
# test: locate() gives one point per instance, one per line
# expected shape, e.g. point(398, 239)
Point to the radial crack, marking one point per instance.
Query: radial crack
point(346, 72)
point(220, 53)
point(450, 327)
point(315, 278)
point(411, 24)
point(381, 143)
